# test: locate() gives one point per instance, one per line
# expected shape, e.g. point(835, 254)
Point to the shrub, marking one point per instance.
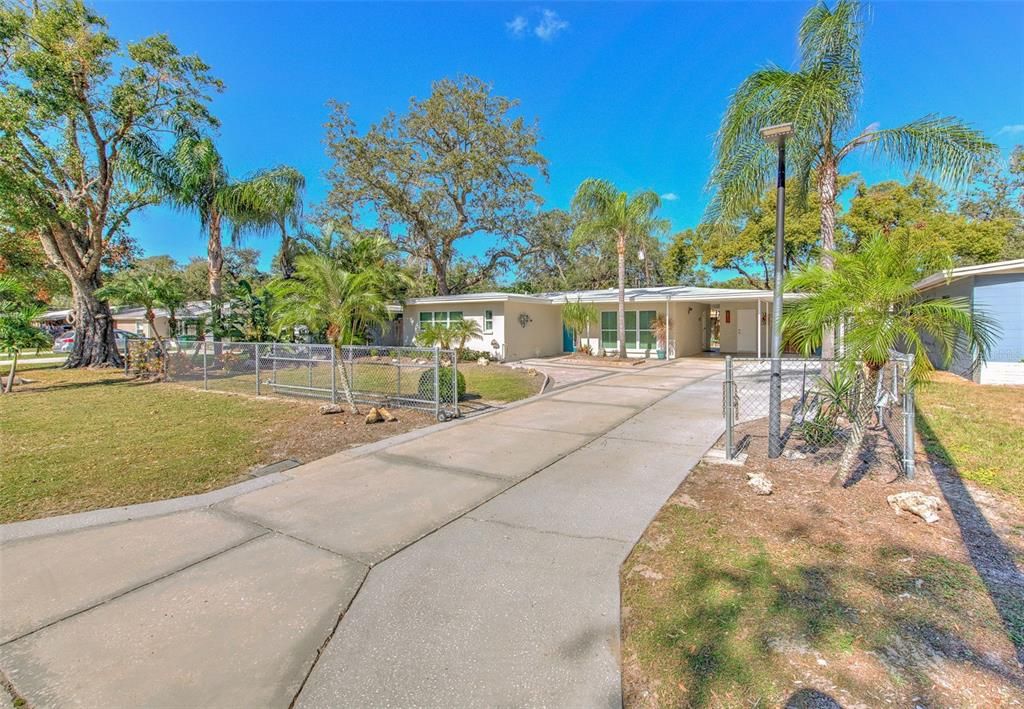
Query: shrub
point(444, 378)
point(468, 355)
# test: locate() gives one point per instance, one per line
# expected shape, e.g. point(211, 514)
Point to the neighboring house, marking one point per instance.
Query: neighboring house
point(516, 326)
point(997, 290)
point(133, 319)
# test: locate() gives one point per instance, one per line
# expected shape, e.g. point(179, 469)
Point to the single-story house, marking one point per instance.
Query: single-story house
point(996, 290)
point(514, 326)
point(133, 319)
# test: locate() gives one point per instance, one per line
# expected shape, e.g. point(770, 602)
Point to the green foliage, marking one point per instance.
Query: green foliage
point(249, 314)
point(456, 165)
point(578, 316)
point(328, 299)
point(918, 213)
point(445, 376)
point(22, 259)
point(871, 291)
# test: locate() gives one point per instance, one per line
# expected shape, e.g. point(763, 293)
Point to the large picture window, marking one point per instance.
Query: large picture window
point(440, 317)
point(639, 335)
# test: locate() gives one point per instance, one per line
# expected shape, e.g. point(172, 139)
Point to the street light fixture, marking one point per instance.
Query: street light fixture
point(777, 135)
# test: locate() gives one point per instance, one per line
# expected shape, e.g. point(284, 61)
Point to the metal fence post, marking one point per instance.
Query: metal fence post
point(437, 382)
point(206, 384)
point(908, 421)
point(334, 375)
point(256, 347)
point(455, 381)
point(729, 411)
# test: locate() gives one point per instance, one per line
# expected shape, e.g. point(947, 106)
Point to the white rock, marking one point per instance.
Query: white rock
point(761, 484)
point(793, 455)
point(924, 506)
point(483, 361)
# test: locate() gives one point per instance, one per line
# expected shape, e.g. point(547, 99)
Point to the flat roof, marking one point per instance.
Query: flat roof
point(608, 295)
point(943, 277)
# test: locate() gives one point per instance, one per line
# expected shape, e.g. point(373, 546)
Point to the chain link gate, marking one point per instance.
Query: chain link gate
point(420, 378)
point(819, 406)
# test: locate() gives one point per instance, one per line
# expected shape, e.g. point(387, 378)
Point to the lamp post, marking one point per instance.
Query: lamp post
point(777, 135)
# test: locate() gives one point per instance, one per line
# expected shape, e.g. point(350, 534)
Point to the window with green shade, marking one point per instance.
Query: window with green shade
point(488, 321)
point(645, 336)
point(639, 335)
point(440, 317)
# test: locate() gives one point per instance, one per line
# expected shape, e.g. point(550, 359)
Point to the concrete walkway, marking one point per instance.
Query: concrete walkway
point(477, 564)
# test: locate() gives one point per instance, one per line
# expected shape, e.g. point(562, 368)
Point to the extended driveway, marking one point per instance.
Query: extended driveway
point(477, 564)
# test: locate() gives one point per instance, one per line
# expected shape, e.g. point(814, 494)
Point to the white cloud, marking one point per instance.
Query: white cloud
point(1013, 129)
point(517, 26)
point(550, 25)
point(669, 197)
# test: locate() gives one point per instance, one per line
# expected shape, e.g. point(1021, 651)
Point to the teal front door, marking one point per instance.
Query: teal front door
point(568, 341)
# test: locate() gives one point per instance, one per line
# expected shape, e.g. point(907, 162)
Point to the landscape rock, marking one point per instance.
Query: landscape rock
point(374, 416)
point(386, 414)
point(761, 484)
point(793, 455)
point(531, 372)
point(924, 506)
point(483, 361)
point(331, 409)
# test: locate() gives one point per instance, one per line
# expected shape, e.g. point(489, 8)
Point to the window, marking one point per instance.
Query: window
point(488, 321)
point(639, 335)
point(440, 317)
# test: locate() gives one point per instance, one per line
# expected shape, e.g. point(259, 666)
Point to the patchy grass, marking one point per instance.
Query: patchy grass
point(499, 383)
point(734, 599)
point(75, 440)
point(978, 430)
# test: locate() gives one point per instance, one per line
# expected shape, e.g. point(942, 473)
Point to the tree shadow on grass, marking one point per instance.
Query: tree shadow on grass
point(991, 558)
point(73, 385)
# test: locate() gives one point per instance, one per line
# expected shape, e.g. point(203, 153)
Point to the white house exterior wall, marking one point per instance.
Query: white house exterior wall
point(542, 334)
point(471, 311)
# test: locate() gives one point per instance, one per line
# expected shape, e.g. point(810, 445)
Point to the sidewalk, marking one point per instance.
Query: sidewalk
point(482, 559)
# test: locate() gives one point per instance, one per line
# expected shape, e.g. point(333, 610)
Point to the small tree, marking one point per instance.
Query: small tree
point(871, 291)
point(139, 289)
point(659, 326)
point(578, 316)
point(170, 293)
point(17, 332)
point(463, 331)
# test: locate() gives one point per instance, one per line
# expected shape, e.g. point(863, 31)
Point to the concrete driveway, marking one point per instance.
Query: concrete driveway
point(474, 564)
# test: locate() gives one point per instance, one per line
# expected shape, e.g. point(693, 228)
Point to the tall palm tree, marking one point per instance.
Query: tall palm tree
point(871, 291)
point(192, 177)
point(821, 98)
point(604, 212)
point(325, 297)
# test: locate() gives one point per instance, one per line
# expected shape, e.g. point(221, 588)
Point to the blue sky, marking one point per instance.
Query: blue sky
point(631, 92)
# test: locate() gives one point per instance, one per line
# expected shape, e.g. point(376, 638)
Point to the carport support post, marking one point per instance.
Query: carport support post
point(206, 384)
point(257, 348)
point(729, 409)
point(455, 381)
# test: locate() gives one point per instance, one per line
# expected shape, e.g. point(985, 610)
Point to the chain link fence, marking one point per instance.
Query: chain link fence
point(402, 377)
point(820, 409)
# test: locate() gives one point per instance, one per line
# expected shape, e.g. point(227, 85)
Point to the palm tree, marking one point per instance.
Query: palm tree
point(871, 291)
point(578, 316)
point(169, 290)
point(325, 297)
point(605, 212)
point(193, 177)
point(17, 332)
point(142, 289)
point(463, 331)
point(821, 98)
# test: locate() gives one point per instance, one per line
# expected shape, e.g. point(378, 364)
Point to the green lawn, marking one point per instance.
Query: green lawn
point(977, 429)
point(498, 383)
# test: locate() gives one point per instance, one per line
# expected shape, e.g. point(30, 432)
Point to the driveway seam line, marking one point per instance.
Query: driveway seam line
point(133, 589)
point(455, 470)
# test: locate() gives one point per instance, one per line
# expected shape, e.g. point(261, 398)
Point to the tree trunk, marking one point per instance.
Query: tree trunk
point(861, 417)
point(10, 375)
point(95, 345)
point(151, 319)
point(621, 329)
point(828, 178)
point(214, 269)
point(287, 267)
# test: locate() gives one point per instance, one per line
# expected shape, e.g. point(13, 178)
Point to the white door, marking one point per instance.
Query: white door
point(746, 330)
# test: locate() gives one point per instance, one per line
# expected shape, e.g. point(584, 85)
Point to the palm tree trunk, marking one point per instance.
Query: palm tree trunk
point(862, 415)
point(828, 180)
point(215, 267)
point(10, 376)
point(151, 319)
point(621, 325)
